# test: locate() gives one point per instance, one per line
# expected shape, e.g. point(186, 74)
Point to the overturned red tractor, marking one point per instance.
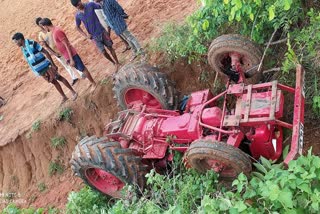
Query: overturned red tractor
point(225, 138)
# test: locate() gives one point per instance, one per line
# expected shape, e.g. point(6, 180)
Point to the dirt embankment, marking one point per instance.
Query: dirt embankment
point(24, 161)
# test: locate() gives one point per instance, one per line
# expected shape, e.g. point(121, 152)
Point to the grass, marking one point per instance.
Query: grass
point(58, 142)
point(55, 167)
point(42, 187)
point(65, 114)
point(36, 126)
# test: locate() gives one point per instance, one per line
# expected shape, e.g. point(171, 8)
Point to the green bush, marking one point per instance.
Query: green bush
point(13, 209)
point(55, 167)
point(65, 114)
point(58, 142)
point(86, 201)
point(42, 187)
point(254, 18)
point(36, 126)
point(272, 189)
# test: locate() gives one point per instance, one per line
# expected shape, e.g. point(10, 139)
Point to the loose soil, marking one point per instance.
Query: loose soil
point(25, 156)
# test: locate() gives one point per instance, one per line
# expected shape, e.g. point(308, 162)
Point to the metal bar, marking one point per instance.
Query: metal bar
point(284, 124)
point(248, 104)
point(298, 117)
point(179, 149)
point(214, 98)
point(223, 112)
point(273, 100)
point(217, 129)
point(286, 88)
point(261, 85)
point(238, 110)
point(259, 120)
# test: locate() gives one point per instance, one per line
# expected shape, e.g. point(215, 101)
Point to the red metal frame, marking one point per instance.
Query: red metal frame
point(255, 116)
point(298, 118)
point(254, 119)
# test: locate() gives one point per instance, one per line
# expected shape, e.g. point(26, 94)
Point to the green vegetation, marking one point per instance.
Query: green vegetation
point(65, 114)
point(290, 20)
point(254, 18)
point(13, 209)
point(58, 142)
point(42, 187)
point(36, 126)
point(55, 167)
point(86, 201)
point(271, 189)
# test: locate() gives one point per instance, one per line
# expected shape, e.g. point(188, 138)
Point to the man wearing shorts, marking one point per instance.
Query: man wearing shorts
point(66, 49)
point(116, 17)
point(41, 63)
point(46, 40)
point(104, 22)
point(86, 15)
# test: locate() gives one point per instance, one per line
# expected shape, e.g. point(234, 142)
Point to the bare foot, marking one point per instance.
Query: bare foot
point(126, 49)
point(64, 99)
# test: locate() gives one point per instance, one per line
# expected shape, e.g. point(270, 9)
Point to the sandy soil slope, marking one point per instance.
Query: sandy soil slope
point(30, 98)
point(24, 161)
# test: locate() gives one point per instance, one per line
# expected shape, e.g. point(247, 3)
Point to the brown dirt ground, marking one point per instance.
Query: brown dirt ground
point(24, 161)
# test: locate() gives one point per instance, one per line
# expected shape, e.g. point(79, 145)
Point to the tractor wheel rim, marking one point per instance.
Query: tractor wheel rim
point(224, 170)
point(140, 96)
point(104, 181)
point(225, 61)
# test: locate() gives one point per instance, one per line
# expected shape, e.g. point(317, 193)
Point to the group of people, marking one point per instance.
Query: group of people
point(99, 17)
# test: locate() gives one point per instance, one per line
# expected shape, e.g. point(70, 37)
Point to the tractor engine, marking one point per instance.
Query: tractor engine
point(151, 131)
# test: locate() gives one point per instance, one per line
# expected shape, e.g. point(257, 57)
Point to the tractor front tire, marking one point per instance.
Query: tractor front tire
point(144, 84)
point(106, 167)
point(250, 55)
point(226, 160)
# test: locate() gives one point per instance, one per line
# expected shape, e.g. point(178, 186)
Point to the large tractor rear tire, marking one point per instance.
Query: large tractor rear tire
point(142, 83)
point(222, 46)
point(226, 160)
point(107, 167)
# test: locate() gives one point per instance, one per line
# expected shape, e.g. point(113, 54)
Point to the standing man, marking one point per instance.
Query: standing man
point(103, 20)
point(97, 33)
point(67, 50)
point(116, 17)
point(42, 64)
point(46, 40)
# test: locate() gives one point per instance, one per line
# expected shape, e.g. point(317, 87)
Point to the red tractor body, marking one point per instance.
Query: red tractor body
point(255, 117)
point(224, 133)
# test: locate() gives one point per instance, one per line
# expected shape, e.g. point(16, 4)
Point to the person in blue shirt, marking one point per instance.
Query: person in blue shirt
point(96, 32)
point(104, 22)
point(42, 64)
point(116, 16)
